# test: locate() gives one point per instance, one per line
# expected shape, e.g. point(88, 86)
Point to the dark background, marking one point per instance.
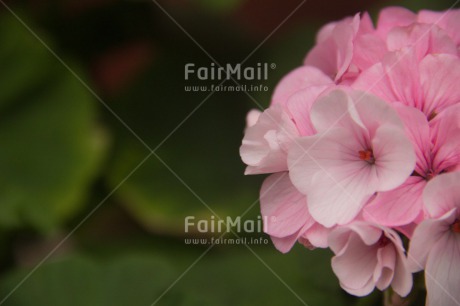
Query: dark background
point(103, 153)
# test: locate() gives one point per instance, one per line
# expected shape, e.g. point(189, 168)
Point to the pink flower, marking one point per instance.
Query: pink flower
point(392, 17)
point(424, 39)
point(285, 211)
point(403, 204)
point(345, 47)
point(360, 148)
point(430, 85)
point(300, 79)
point(437, 147)
point(445, 131)
point(369, 256)
point(252, 117)
point(363, 145)
point(265, 143)
point(268, 135)
point(448, 21)
point(435, 245)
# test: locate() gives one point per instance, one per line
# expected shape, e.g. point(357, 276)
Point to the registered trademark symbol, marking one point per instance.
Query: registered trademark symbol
point(273, 66)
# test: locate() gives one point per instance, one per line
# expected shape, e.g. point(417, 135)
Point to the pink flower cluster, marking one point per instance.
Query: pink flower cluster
point(363, 146)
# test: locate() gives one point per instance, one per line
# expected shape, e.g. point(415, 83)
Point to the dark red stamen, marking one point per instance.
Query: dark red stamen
point(383, 241)
point(432, 115)
point(455, 227)
point(367, 155)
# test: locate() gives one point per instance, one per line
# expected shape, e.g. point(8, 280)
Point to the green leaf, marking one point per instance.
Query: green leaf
point(51, 148)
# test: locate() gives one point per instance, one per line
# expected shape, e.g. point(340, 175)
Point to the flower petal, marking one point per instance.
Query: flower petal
point(399, 206)
point(298, 79)
point(418, 131)
point(391, 17)
point(394, 157)
point(368, 50)
point(442, 194)
point(355, 266)
point(424, 38)
point(252, 117)
point(402, 279)
point(265, 143)
point(426, 236)
point(442, 275)
point(445, 129)
point(334, 53)
point(440, 80)
point(299, 106)
point(282, 206)
point(384, 270)
point(317, 235)
point(336, 109)
point(448, 20)
point(327, 168)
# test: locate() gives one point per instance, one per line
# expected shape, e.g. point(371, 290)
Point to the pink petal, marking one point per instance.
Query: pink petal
point(394, 157)
point(399, 206)
point(418, 130)
point(448, 21)
point(424, 38)
point(402, 279)
point(326, 167)
point(299, 106)
point(252, 117)
point(445, 129)
point(384, 270)
point(362, 262)
point(336, 109)
point(394, 17)
point(284, 244)
point(402, 70)
point(334, 53)
point(355, 266)
point(426, 236)
point(374, 112)
point(298, 79)
point(408, 229)
point(366, 25)
point(442, 194)
point(353, 110)
point(440, 80)
point(282, 206)
point(338, 237)
point(396, 79)
point(317, 235)
point(369, 49)
point(265, 143)
point(326, 31)
point(374, 80)
point(442, 275)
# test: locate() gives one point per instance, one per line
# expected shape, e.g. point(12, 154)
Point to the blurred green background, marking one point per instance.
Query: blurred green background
point(88, 215)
